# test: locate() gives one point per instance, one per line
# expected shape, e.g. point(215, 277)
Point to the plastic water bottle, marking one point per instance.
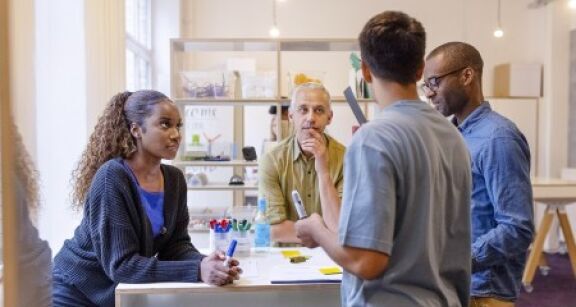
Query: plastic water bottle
point(261, 228)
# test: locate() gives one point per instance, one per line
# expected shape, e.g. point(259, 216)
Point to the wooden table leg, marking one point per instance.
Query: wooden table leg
point(536, 252)
point(542, 262)
point(543, 265)
point(567, 231)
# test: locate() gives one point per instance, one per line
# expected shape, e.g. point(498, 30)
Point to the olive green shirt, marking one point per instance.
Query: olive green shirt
point(284, 169)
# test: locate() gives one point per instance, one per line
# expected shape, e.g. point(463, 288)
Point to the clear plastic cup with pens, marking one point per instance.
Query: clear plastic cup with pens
point(219, 234)
point(242, 221)
point(241, 232)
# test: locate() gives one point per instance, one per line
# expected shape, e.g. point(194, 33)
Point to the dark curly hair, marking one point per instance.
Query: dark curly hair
point(392, 44)
point(111, 137)
point(26, 174)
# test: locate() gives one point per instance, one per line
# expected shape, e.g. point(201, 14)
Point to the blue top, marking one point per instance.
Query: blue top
point(114, 243)
point(153, 203)
point(502, 213)
point(406, 193)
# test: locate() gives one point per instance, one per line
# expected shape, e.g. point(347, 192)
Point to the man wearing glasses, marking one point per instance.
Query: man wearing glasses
point(308, 161)
point(502, 214)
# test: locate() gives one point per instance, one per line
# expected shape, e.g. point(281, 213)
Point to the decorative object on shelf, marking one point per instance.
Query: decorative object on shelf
point(195, 151)
point(259, 84)
point(237, 85)
point(194, 156)
point(355, 79)
point(210, 141)
point(236, 180)
point(199, 179)
point(202, 84)
point(217, 158)
point(518, 80)
point(249, 153)
point(300, 77)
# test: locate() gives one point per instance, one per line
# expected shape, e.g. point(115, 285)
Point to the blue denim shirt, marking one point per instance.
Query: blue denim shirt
point(502, 212)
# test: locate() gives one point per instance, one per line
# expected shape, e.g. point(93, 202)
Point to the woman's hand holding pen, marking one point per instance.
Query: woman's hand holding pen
point(213, 271)
point(305, 229)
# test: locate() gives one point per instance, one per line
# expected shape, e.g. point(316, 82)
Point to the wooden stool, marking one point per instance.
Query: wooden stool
point(536, 256)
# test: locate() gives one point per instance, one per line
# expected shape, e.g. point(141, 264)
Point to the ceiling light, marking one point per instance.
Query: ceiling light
point(572, 4)
point(274, 31)
point(499, 32)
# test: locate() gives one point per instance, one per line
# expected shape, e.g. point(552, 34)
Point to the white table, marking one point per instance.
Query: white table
point(253, 288)
point(556, 194)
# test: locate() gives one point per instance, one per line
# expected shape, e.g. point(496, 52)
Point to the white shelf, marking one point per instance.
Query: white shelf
point(181, 163)
point(229, 101)
point(223, 187)
point(255, 101)
point(265, 45)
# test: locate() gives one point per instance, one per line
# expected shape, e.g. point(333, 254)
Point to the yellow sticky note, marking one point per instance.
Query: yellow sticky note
point(290, 253)
point(330, 270)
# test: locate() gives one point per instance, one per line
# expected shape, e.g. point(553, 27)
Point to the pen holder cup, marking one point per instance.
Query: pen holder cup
point(244, 243)
point(219, 241)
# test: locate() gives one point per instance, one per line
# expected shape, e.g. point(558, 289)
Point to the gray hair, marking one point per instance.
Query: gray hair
point(307, 87)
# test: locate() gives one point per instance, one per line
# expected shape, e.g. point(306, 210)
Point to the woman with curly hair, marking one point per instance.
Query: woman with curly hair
point(34, 258)
point(135, 218)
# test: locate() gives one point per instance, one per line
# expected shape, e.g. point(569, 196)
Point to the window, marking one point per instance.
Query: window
point(138, 44)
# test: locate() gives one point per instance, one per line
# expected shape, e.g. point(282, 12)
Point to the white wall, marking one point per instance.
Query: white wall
point(471, 21)
point(61, 110)
point(165, 25)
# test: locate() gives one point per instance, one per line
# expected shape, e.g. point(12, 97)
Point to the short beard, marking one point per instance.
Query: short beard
point(455, 102)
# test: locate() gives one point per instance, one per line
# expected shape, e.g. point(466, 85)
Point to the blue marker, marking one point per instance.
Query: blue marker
point(230, 252)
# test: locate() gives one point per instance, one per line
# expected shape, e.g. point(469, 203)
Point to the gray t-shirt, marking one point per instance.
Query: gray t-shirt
point(407, 194)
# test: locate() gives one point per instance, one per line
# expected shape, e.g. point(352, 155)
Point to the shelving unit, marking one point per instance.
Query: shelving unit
point(255, 101)
point(223, 187)
point(215, 163)
point(280, 56)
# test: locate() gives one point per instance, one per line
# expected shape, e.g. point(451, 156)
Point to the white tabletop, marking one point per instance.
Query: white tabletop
point(253, 289)
point(553, 189)
point(259, 271)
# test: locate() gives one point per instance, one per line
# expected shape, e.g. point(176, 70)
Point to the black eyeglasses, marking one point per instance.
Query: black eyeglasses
point(433, 83)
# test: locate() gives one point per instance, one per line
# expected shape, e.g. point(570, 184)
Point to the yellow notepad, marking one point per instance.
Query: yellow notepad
point(330, 270)
point(290, 253)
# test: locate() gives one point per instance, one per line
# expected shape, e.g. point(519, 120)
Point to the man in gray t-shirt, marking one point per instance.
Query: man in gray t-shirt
point(406, 194)
point(404, 231)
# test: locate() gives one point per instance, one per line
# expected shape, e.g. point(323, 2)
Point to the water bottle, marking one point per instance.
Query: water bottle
point(261, 228)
